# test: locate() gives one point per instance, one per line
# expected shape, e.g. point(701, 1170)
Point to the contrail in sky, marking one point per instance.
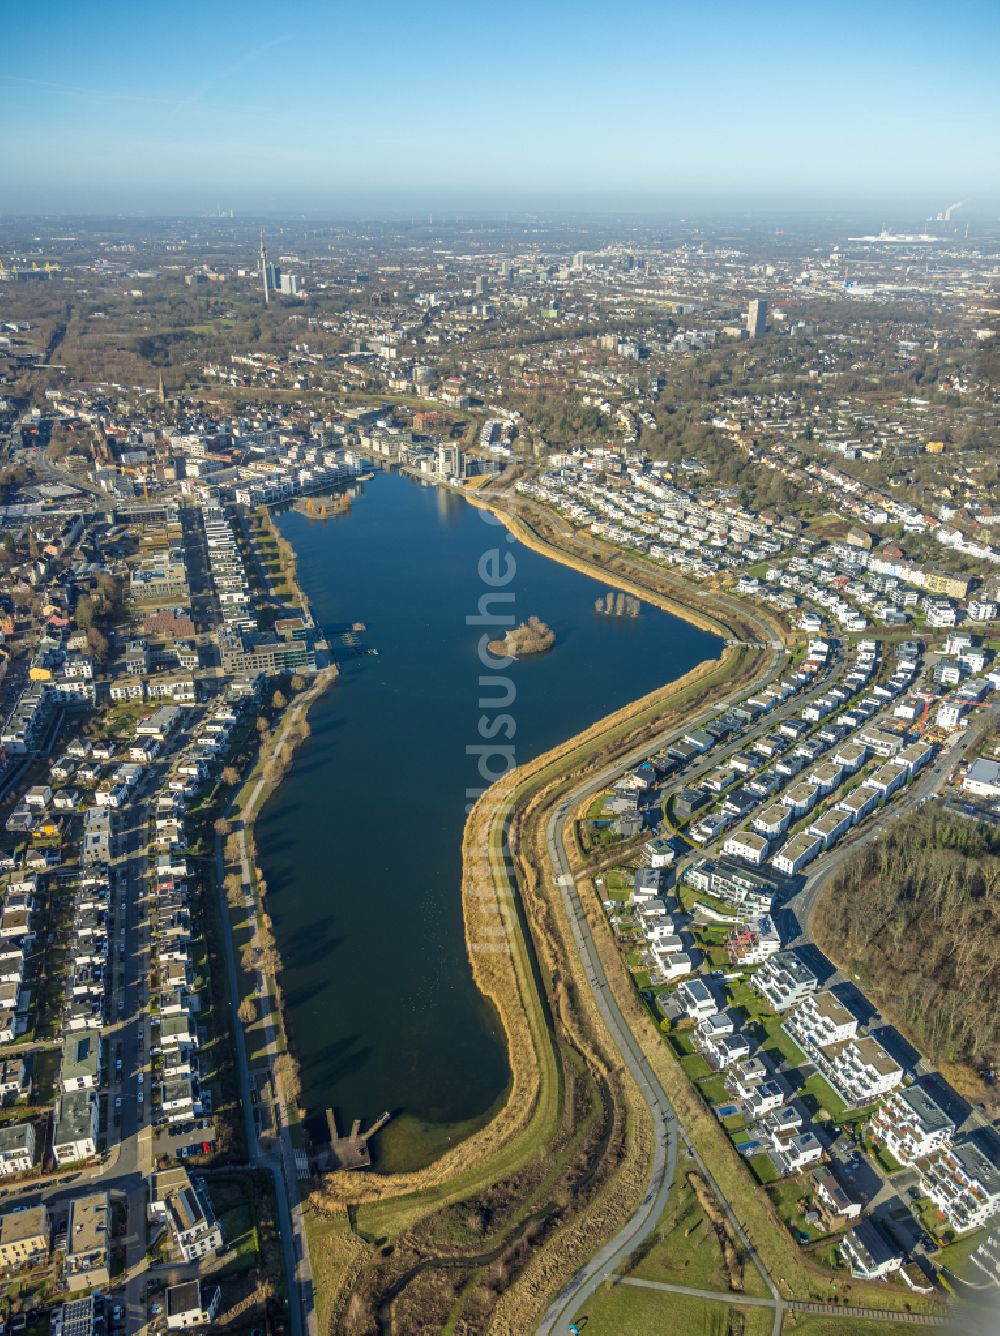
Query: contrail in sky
point(246, 59)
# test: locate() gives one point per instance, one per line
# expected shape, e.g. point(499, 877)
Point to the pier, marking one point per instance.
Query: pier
point(351, 1151)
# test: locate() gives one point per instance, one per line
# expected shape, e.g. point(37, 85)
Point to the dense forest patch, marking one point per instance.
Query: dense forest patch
point(916, 916)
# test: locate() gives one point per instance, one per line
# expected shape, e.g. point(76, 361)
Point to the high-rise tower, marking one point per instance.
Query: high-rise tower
point(263, 265)
point(757, 317)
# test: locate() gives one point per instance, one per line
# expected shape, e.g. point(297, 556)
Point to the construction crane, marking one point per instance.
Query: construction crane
point(929, 697)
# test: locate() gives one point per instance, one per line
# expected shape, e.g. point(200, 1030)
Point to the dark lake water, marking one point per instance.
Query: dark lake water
point(361, 845)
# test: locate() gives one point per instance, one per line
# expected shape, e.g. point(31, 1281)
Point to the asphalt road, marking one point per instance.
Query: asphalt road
point(644, 1219)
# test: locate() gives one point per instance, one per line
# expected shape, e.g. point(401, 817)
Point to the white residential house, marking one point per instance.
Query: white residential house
point(859, 803)
point(819, 1021)
point(192, 1303)
point(185, 1207)
point(951, 715)
point(798, 1153)
point(888, 778)
point(773, 821)
point(696, 998)
point(748, 845)
point(912, 1125)
point(74, 1134)
point(964, 1183)
point(799, 851)
point(785, 980)
point(869, 1254)
point(763, 1098)
point(860, 1070)
point(983, 779)
point(17, 1148)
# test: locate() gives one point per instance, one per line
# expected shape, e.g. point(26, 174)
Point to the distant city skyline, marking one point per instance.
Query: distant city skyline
point(449, 106)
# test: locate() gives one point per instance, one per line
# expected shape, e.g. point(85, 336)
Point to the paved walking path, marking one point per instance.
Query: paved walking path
point(750, 1301)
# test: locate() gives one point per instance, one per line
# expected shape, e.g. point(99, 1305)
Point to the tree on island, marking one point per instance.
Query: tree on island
point(531, 637)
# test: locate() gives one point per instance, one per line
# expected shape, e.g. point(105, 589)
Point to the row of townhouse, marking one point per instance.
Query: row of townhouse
point(744, 781)
point(176, 1034)
point(660, 928)
point(176, 1040)
point(85, 1012)
point(651, 515)
point(858, 743)
point(800, 773)
point(228, 574)
point(19, 901)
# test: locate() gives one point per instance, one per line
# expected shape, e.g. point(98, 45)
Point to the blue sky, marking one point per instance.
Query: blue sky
point(436, 104)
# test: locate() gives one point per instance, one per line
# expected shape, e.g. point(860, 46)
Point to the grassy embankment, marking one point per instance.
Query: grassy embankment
point(536, 529)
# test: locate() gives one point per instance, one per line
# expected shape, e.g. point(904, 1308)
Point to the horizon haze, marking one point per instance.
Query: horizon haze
point(390, 109)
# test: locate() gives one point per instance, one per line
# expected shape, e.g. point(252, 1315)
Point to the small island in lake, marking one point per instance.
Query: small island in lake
point(531, 637)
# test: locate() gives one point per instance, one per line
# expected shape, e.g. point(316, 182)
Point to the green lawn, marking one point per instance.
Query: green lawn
point(44, 1071)
point(956, 1255)
point(763, 1168)
point(819, 1094)
point(696, 1067)
point(717, 957)
point(777, 1039)
point(815, 1324)
point(234, 1209)
point(713, 1089)
point(684, 1250)
point(788, 1194)
point(681, 1040)
point(617, 885)
point(742, 995)
point(627, 1310)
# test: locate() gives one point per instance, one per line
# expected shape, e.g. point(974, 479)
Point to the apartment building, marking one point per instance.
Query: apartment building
point(24, 1238)
point(785, 980)
point(964, 1184)
point(87, 1242)
point(860, 1070)
point(912, 1125)
point(820, 1021)
point(185, 1207)
point(17, 1148)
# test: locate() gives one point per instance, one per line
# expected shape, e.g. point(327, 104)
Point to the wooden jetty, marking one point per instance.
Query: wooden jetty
point(351, 1151)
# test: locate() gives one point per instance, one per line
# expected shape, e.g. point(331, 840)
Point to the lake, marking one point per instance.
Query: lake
point(361, 844)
